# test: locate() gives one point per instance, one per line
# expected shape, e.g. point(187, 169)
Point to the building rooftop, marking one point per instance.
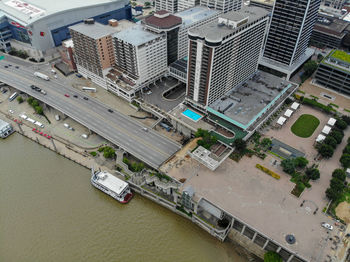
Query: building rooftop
point(196, 14)
point(3, 124)
point(228, 23)
point(331, 25)
point(252, 100)
point(163, 20)
point(341, 55)
point(29, 11)
point(97, 30)
point(263, 2)
point(136, 35)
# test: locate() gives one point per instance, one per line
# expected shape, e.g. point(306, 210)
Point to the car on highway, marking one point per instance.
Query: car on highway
point(66, 95)
point(86, 98)
point(75, 96)
point(145, 129)
point(17, 67)
point(10, 65)
point(6, 66)
point(110, 110)
point(327, 226)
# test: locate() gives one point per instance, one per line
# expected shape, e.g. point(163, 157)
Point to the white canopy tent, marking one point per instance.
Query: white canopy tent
point(320, 138)
point(331, 121)
point(295, 106)
point(281, 120)
point(288, 113)
point(326, 129)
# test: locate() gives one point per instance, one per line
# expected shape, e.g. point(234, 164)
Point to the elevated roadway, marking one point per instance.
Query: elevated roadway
point(145, 144)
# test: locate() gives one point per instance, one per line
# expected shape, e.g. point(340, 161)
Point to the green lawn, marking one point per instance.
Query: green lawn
point(305, 126)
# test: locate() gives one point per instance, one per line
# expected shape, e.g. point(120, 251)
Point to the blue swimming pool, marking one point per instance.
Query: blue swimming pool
point(192, 115)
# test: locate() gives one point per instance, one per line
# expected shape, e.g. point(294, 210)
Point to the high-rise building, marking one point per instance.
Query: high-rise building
point(224, 53)
point(164, 22)
point(337, 4)
point(186, 4)
point(223, 5)
point(289, 34)
point(93, 49)
point(174, 6)
point(168, 5)
point(266, 4)
point(140, 59)
point(191, 18)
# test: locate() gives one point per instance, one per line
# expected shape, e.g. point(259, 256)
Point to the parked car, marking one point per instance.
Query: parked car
point(66, 95)
point(327, 226)
point(79, 75)
point(17, 67)
point(75, 96)
point(6, 66)
point(149, 92)
point(86, 98)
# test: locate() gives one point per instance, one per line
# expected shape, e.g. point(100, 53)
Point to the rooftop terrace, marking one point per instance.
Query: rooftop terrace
point(341, 55)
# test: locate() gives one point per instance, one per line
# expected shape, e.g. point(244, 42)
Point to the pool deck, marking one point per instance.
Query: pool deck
point(177, 112)
point(189, 113)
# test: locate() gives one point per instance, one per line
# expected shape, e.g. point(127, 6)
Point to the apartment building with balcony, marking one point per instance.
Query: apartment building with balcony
point(224, 54)
point(286, 47)
point(174, 6)
point(93, 48)
point(140, 59)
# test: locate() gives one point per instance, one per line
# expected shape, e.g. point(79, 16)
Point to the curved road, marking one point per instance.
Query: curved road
point(149, 146)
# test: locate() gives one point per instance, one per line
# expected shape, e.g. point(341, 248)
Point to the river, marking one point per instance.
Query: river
point(50, 212)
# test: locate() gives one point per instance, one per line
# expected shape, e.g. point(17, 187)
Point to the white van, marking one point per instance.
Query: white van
point(66, 125)
point(84, 136)
point(57, 117)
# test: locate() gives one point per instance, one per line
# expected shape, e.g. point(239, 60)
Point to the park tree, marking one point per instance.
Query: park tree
point(20, 100)
point(35, 103)
point(347, 149)
point(266, 142)
point(346, 119)
point(331, 141)
point(339, 174)
point(337, 184)
point(326, 150)
point(240, 144)
point(288, 166)
point(337, 135)
point(345, 160)
point(332, 194)
point(313, 173)
point(108, 152)
point(39, 110)
point(301, 162)
point(30, 100)
point(310, 67)
point(341, 124)
point(271, 256)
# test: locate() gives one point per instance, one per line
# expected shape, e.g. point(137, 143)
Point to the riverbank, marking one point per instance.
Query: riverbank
point(80, 156)
point(51, 212)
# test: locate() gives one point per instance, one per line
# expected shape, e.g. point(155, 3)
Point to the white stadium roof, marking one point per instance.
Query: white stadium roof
point(29, 11)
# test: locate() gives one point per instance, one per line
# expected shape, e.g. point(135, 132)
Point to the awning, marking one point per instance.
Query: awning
point(295, 105)
point(320, 138)
point(326, 129)
point(331, 121)
point(288, 113)
point(281, 120)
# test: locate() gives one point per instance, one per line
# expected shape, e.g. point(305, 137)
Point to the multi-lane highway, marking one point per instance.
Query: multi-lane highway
point(145, 144)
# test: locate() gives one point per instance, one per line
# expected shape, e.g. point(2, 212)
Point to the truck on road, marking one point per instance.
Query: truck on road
point(42, 76)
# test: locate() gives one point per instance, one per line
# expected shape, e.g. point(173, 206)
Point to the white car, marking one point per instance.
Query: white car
point(149, 92)
point(327, 226)
point(11, 111)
